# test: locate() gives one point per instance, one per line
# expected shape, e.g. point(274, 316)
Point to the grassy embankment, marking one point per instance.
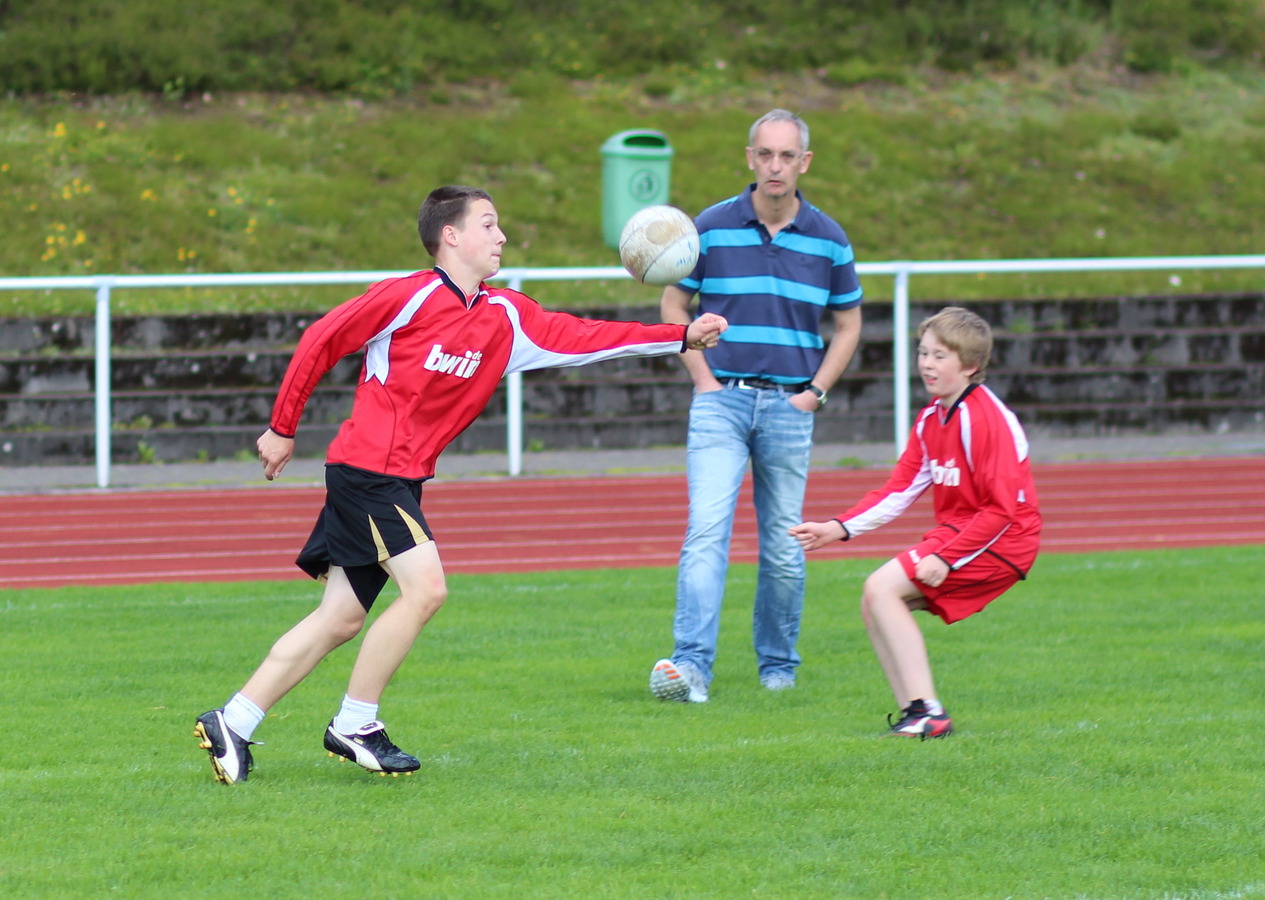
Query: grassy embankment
point(1036, 162)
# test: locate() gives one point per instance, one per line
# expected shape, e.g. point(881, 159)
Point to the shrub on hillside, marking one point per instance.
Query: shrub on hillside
point(380, 48)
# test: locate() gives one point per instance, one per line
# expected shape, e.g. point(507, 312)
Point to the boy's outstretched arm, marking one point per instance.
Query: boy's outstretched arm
point(814, 535)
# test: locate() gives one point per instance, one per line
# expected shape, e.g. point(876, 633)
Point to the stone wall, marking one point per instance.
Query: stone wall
point(201, 387)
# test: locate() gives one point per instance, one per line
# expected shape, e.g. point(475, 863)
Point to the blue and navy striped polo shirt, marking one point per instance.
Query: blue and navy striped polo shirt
point(773, 292)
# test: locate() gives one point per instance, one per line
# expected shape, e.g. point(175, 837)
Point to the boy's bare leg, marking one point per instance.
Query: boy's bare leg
point(420, 577)
point(337, 620)
point(886, 604)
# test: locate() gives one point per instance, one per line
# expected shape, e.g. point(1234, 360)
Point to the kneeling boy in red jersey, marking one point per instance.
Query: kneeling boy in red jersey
point(969, 448)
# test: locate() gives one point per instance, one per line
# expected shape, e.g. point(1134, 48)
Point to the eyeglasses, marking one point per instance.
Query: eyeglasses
point(788, 157)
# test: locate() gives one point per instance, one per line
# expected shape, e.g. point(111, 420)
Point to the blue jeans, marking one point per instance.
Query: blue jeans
point(727, 429)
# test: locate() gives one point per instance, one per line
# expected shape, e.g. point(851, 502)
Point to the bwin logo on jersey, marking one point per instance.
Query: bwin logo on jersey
point(948, 474)
point(449, 364)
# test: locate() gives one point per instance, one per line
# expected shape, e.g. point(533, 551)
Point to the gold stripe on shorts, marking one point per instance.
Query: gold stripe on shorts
point(419, 536)
point(383, 553)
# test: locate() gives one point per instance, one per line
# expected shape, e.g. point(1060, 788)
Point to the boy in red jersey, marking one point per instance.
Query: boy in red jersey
point(971, 451)
point(436, 345)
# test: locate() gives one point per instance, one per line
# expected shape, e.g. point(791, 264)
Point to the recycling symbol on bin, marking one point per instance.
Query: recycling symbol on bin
point(644, 185)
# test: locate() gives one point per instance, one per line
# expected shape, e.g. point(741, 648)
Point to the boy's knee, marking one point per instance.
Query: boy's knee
point(427, 598)
point(343, 622)
point(873, 592)
point(343, 629)
point(867, 603)
point(437, 598)
point(870, 589)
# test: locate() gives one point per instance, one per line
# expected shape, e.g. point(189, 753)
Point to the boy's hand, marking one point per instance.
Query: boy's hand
point(275, 451)
point(931, 571)
point(705, 331)
point(813, 535)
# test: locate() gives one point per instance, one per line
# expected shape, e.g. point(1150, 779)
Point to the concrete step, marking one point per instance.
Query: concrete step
point(1088, 420)
point(588, 392)
point(191, 332)
point(261, 330)
point(488, 433)
point(183, 370)
point(221, 367)
point(166, 409)
point(1138, 384)
point(75, 446)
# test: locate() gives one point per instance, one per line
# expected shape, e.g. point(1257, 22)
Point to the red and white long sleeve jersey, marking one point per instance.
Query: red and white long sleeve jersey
point(974, 457)
point(434, 358)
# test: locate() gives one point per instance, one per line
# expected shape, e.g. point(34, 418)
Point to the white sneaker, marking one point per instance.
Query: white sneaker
point(667, 682)
point(778, 681)
point(681, 682)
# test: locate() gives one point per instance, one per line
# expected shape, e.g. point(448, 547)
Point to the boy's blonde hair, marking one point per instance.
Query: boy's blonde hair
point(966, 334)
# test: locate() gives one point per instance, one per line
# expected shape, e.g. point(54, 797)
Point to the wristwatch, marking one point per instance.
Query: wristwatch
point(818, 393)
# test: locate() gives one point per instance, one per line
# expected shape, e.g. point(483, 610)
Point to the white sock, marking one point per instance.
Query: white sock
point(242, 715)
point(354, 714)
point(933, 707)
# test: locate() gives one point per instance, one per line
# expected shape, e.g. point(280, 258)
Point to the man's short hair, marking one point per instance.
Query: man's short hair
point(966, 334)
point(443, 206)
point(780, 115)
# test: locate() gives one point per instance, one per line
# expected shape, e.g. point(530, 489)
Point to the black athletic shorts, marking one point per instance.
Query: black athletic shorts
point(367, 518)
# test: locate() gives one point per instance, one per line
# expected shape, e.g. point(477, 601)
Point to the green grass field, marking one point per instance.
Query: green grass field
point(1109, 746)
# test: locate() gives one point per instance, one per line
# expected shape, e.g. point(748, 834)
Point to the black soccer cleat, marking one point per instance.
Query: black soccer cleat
point(370, 748)
point(916, 721)
point(230, 754)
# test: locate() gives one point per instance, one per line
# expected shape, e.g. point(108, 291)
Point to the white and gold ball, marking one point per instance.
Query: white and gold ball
point(659, 245)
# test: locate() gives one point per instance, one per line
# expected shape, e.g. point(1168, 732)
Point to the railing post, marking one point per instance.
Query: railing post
point(514, 410)
point(101, 394)
point(900, 355)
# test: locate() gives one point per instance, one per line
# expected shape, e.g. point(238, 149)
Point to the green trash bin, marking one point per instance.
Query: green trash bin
point(636, 173)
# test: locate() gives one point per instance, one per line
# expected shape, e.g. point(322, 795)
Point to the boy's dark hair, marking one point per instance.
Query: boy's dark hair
point(445, 205)
point(966, 334)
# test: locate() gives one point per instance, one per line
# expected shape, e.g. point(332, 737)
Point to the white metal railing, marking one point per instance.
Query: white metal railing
point(901, 271)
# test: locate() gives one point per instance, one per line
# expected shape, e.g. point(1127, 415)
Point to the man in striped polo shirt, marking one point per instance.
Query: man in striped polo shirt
point(773, 265)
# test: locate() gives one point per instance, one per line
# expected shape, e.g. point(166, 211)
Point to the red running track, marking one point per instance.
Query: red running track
point(534, 524)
